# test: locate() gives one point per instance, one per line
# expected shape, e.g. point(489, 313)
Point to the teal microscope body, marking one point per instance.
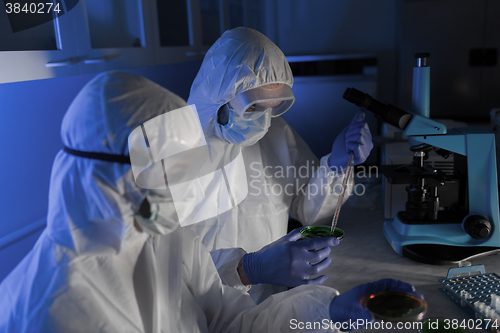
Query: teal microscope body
point(478, 146)
point(426, 231)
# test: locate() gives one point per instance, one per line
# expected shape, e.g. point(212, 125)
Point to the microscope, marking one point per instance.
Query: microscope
point(449, 216)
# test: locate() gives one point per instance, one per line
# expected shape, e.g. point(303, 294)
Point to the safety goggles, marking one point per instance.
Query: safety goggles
point(253, 103)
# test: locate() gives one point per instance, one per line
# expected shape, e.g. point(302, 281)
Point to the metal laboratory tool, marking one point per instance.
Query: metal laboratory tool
point(344, 186)
point(341, 198)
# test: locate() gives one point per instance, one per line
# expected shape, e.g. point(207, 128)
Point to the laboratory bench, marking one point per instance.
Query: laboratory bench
point(364, 255)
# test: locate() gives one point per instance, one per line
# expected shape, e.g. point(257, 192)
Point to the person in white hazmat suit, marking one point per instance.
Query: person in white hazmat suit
point(100, 266)
point(243, 86)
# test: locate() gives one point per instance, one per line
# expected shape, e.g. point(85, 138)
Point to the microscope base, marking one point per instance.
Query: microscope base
point(436, 254)
point(437, 244)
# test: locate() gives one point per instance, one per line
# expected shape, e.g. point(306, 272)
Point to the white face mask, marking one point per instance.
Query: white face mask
point(242, 132)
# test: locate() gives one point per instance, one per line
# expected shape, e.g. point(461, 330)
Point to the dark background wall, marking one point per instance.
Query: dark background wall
point(343, 27)
point(463, 38)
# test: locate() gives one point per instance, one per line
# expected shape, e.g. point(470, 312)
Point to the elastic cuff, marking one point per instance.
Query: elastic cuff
point(249, 266)
point(325, 160)
point(226, 261)
point(325, 163)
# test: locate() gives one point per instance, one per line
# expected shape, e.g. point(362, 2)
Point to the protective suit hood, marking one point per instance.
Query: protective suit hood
point(91, 202)
point(241, 59)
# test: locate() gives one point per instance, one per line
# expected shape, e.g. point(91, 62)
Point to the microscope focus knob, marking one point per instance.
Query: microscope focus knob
point(477, 226)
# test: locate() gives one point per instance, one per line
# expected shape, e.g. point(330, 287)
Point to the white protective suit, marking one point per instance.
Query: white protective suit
point(92, 271)
point(285, 178)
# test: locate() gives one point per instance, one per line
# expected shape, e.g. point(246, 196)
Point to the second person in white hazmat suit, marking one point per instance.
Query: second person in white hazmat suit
point(93, 269)
point(242, 87)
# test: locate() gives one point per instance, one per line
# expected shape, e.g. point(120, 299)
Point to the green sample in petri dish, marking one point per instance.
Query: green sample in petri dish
point(321, 231)
point(396, 306)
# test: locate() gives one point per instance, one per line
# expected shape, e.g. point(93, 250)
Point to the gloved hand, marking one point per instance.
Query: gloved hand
point(287, 262)
point(347, 306)
point(356, 138)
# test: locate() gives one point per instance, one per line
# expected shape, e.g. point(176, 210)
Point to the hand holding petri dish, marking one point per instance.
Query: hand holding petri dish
point(321, 231)
point(395, 306)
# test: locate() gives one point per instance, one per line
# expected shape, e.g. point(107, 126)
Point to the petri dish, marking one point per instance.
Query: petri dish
point(321, 231)
point(395, 306)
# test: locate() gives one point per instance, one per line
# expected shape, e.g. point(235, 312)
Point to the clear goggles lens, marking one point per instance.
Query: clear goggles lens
point(252, 104)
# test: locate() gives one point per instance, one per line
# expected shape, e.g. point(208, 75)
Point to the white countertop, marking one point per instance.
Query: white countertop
point(364, 255)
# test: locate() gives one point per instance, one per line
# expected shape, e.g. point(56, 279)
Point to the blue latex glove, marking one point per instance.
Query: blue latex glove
point(355, 138)
point(347, 306)
point(287, 262)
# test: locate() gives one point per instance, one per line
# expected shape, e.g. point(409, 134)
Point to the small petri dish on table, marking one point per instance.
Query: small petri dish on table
point(321, 231)
point(395, 306)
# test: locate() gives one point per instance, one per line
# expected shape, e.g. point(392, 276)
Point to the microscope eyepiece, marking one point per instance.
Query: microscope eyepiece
point(387, 112)
point(357, 97)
